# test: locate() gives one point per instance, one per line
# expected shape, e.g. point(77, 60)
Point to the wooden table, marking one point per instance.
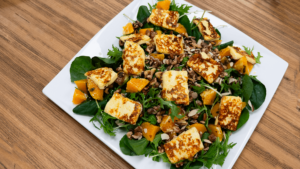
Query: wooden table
point(38, 38)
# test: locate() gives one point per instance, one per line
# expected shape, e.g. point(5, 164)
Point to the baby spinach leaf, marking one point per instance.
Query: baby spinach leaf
point(148, 25)
point(247, 87)
point(156, 140)
point(243, 118)
point(224, 45)
point(143, 13)
point(79, 67)
point(186, 23)
point(171, 105)
point(259, 93)
point(196, 34)
point(151, 119)
point(88, 108)
point(133, 147)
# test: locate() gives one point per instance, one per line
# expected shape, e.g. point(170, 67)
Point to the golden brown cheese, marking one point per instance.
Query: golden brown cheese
point(185, 146)
point(238, 53)
point(123, 108)
point(102, 77)
point(164, 18)
point(169, 44)
point(230, 112)
point(133, 58)
point(136, 38)
point(207, 30)
point(175, 87)
point(205, 66)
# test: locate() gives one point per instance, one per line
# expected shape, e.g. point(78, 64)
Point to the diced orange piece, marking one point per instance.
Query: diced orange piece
point(143, 31)
point(128, 29)
point(199, 127)
point(94, 90)
point(159, 32)
point(218, 42)
point(180, 29)
point(163, 4)
point(135, 85)
point(215, 109)
point(149, 131)
point(216, 130)
point(242, 65)
point(244, 104)
point(81, 85)
point(250, 67)
point(225, 52)
point(158, 56)
point(167, 124)
point(208, 96)
point(78, 97)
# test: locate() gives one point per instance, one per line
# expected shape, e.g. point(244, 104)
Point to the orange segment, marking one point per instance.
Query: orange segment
point(242, 65)
point(81, 85)
point(216, 130)
point(159, 32)
point(180, 29)
point(215, 109)
point(94, 90)
point(78, 97)
point(149, 131)
point(135, 85)
point(163, 4)
point(225, 52)
point(199, 127)
point(167, 124)
point(128, 29)
point(158, 56)
point(250, 67)
point(143, 31)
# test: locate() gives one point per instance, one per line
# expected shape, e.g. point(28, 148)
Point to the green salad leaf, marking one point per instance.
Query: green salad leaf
point(243, 118)
point(106, 122)
point(88, 108)
point(248, 50)
point(182, 9)
point(224, 45)
point(143, 13)
point(171, 105)
point(79, 67)
point(185, 21)
point(258, 57)
point(133, 147)
point(247, 87)
point(259, 93)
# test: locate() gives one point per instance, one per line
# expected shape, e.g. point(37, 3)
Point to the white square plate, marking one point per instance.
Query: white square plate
point(60, 89)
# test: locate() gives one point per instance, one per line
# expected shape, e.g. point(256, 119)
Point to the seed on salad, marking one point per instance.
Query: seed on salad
point(164, 136)
point(202, 122)
point(193, 112)
point(207, 141)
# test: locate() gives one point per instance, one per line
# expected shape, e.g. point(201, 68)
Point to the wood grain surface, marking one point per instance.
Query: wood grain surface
point(39, 37)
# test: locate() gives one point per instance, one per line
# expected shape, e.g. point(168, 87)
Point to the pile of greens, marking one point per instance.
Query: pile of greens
point(250, 89)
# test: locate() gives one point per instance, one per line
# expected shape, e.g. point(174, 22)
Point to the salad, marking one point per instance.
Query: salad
point(172, 83)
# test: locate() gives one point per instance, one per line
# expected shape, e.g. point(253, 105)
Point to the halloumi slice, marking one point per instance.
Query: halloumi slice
point(169, 44)
point(205, 66)
point(238, 53)
point(230, 112)
point(102, 77)
point(136, 38)
point(185, 146)
point(164, 18)
point(123, 108)
point(175, 87)
point(133, 58)
point(207, 30)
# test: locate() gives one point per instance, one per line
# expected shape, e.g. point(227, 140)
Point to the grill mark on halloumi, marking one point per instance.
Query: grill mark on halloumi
point(169, 44)
point(133, 58)
point(102, 77)
point(175, 87)
point(205, 66)
point(123, 108)
point(230, 112)
point(207, 30)
point(238, 53)
point(164, 18)
point(185, 146)
point(136, 38)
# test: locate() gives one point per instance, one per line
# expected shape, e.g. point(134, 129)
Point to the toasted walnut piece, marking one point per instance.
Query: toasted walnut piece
point(138, 129)
point(178, 165)
point(129, 134)
point(212, 138)
point(153, 81)
point(151, 111)
point(160, 149)
point(118, 91)
point(150, 48)
point(137, 135)
point(204, 116)
point(121, 43)
point(107, 91)
point(158, 118)
point(152, 34)
point(198, 102)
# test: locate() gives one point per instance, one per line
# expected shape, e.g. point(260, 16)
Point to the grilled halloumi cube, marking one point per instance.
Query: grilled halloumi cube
point(175, 87)
point(207, 30)
point(205, 66)
point(185, 146)
point(133, 58)
point(123, 108)
point(238, 53)
point(169, 44)
point(137, 38)
point(230, 112)
point(102, 77)
point(164, 18)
